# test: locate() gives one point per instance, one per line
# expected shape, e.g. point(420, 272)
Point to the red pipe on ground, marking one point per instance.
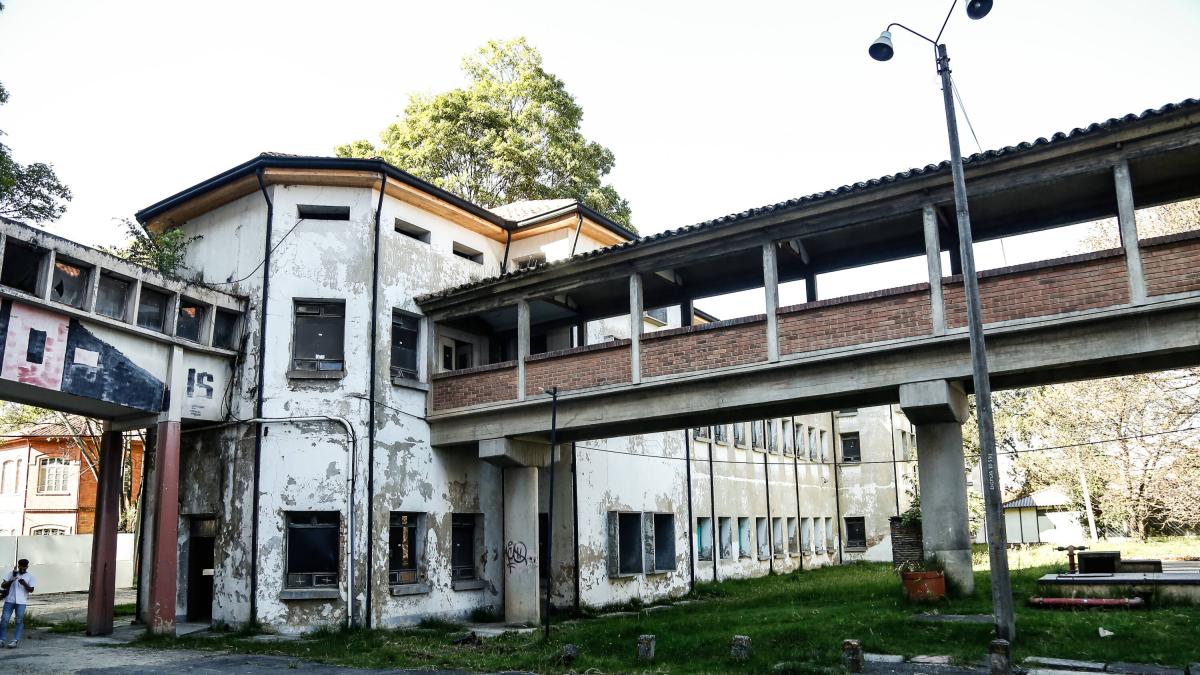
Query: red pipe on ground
point(1086, 602)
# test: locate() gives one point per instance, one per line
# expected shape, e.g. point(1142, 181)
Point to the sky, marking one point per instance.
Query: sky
point(710, 108)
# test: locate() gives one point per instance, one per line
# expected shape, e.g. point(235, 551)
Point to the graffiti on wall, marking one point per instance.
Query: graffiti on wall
point(53, 351)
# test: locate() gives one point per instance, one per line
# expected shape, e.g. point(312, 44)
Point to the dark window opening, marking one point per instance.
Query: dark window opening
point(70, 283)
point(629, 543)
point(851, 452)
point(701, 433)
point(225, 325)
point(720, 435)
point(312, 549)
point(739, 434)
point(467, 253)
point(405, 332)
point(772, 437)
point(664, 541)
point(725, 535)
point(462, 544)
point(21, 265)
point(704, 541)
point(403, 551)
point(152, 309)
point(457, 355)
point(757, 432)
point(319, 336)
point(112, 295)
point(856, 532)
point(318, 212)
point(190, 322)
point(409, 230)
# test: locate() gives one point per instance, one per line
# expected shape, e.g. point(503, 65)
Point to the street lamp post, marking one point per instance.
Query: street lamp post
point(1002, 602)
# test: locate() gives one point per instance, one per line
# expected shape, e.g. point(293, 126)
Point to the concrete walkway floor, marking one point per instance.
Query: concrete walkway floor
point(56, 607)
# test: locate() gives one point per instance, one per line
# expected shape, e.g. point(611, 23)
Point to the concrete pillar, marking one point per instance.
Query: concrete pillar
point(103, 577)
point(635, 326)
point(522, 586)
point(810, 286)
point(687, 312)
point(164, 557)
point(771, 288)
point(522, 345)
point(1127, 222)
point(933, 258)
point(937, 409)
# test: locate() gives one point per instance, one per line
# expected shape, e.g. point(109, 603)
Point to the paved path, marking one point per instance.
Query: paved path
point(57, 607)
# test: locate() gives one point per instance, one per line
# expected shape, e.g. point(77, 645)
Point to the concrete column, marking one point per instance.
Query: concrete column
point(810, 286)
point(164, 557)
point(522, 345)
point(103, 577)
point(522, 586)
point(1127, 222)
point(933, 258)
point(937, 409)
point(771, 287)
point(635, 326)
point(687, 312)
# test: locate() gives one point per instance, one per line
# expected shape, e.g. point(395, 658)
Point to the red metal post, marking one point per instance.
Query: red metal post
point(165, 552)
point(103, 577)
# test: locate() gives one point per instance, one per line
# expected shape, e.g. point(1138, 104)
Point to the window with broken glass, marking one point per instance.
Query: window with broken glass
point(757, 433)
point(406, 329)
point(701, 433)
point(856, 532)
point(739, 434)
point(69, 285)
point(225, 325)
point(312, 549)
point(190, 323)
point(112, 296)
point(404, 539)
point(851, 451)
point(462, 545)
point(318, 341)
point(152, 309)
point(721, 434)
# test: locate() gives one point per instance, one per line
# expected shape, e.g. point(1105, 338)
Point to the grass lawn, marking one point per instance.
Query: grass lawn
point(798, 618)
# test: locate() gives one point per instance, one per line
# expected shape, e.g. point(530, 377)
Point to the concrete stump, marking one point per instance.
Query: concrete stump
point(999, 658)
point(645, 648)
point(568, 654)
point(739, 648)
point(852, 656)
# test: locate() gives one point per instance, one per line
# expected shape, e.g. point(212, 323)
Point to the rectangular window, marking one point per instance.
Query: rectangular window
point(319, 335)
point(70, 283)
point(406, 329)
point(764, 542)
point(829, 541)
point(814, 445)
point(22, 263)
point(725, 534)
point(456, 354)
point(462, 546)
point(793, 537)
point(319, 212)
point(467, 253)
point(405, 539)
point(806, 535)
point(152, 309)
point(777, 536)
point(664, 542)
point(744, 549)
point(625, 544)
point(190, 323)
point(721, 434)
point(225, 327)
point(701, 433)
point(757, 432)
point(739, 434)
point(52, 475)
point(824, 446)
point(856, 532)
point(412, 231)
point(704, 540)
point(772, 436)
point(312, 549)
point(801, 440)
point(818, 536)
point(787, 436)
point(851, 454)
point(112, 296)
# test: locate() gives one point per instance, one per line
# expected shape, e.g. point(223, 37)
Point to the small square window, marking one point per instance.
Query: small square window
point(467, 253)
point(412, 231)
point(152, 309)
point(112, 297)
point(190, 323)
point(69, 284)
point(721, 434)
point(701, 433)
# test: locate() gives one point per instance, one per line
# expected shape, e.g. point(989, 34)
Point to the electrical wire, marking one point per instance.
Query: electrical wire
point(260, 263)
point(962, 106)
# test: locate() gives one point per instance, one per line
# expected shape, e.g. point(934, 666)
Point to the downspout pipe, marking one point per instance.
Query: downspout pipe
point(770, 521)
point(575, 517)
point(260, 377)
point(895, 470)
point(796, 475)
point(712, 508)
point(578, 229)
point(507, 246)
point(687, 452)
point(372, 349)
point(837, 491)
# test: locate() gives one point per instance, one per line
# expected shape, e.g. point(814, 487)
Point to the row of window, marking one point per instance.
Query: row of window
point(806, 535)
point(70, 281)
point(797, 439)
point(54, 475)
point(640, 543)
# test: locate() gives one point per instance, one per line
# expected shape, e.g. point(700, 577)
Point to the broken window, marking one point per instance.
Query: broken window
point(829, 542)
point(777, 536)
point(787, 436)
point(743, 537)
point(52, 475)
point(793, 537)
point(190, 323)
point(704, 540)
point(764, 543)
point(806, 535)
point(772, 437)
point(824, 446)
point(625, 545)
point(312, 549)
point(856, 532)
point(404, 547)
point(69, 284)
point(725, 534)
point(664, 542)
point(801, 440)
point(701, 433)
point(739, 434)
point(467, 253)
point(319, 336)
point(412, 231)
point(851, 453)
point(462, 554)
point(112, 296)
point(22, 263)
point(721, 434)
point(405, 333)
point(814, 444)
point(225, 325)
point(152, 309)
point(757, 433)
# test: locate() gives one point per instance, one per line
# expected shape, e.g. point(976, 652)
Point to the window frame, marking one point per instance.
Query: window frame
point(855, 544)
point(856, 443)
point(401, 375)
point(412, 231)
point(617, 522)
point(704, 538)
point(415, 574)
point(201, 319)
point(126, 295)
point(62, 471)
point(288, 575)
point(725, 538)
point(721, 437)
point(85, 271)
point(317, 372)
point(150, 291)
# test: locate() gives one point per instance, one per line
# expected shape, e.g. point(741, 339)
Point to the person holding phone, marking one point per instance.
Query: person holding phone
point(17, 586)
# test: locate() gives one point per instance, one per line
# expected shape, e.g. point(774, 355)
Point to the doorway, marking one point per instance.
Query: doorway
point(201, 564)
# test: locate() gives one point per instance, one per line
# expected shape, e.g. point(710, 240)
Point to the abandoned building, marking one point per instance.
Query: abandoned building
point(372, 401)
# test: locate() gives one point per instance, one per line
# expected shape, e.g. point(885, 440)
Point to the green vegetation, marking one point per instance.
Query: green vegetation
point(68, 626)
point(125, 609)
point(797, 618)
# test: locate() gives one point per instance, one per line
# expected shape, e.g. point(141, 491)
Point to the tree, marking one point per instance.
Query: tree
point(31, 193)
point(511, 134)
point(163, 251)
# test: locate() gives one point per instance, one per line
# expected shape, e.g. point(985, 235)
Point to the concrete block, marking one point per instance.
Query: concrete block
point(1064, 664)
point(740, 648)
point(1141, 669)
point(568, 654)
point(645, 647)
point(999, 657)
point(510, 452)
point(852, 656)
point(931, 660)
point(933, 401)
point(883, 658)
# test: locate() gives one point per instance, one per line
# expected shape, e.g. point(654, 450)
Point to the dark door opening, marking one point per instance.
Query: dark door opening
point(201, 566)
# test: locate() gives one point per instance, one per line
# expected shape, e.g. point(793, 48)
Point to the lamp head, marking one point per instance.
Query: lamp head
point(977, 9)
point(881, 48)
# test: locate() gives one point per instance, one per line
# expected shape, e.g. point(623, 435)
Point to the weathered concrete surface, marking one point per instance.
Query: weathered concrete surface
point(945, 529)
point(521, 577)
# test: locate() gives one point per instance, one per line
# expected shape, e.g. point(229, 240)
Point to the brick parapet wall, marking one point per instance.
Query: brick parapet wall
point(1171, 264)
point(473, 386)
point(579, 367)
point(906, 543)
point(719, 344)
point(857, 319)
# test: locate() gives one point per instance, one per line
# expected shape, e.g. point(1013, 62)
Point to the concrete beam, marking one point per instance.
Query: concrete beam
point(1127, 222)
point(934, 401)
point(510, 452)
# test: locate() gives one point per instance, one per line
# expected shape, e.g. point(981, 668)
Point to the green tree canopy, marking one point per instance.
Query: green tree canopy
point(512, 133)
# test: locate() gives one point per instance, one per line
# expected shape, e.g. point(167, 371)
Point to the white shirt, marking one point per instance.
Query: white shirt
point(17, 594)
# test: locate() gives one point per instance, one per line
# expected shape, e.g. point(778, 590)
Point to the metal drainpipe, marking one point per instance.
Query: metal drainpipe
point(371, 347)
point(258, 404)
point(837, 491)
point(770, 523)
point(796, 475)
point(712, 507)
point(507, 245)
point(687, 452)
point(575, 516)
point(895, 471)
point(578, 228)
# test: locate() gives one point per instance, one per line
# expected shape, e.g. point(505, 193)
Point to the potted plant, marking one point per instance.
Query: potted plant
point(923, 580)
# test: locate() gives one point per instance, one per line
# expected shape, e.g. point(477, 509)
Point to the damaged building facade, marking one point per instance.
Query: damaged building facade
point(322, 499)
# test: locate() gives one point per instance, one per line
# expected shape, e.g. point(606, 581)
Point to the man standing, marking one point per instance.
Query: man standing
point(19, 585)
